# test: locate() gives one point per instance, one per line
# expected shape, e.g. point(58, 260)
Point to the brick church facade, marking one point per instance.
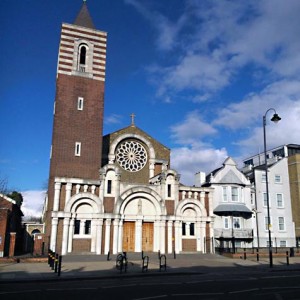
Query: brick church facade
point(116, 192)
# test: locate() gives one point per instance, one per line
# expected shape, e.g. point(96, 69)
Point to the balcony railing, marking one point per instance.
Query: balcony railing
point(237, 233)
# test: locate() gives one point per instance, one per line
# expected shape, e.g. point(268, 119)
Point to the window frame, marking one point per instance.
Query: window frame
point(282, 201)
point(80, 103)
point(277, 181)
point(281, 225)
point(77, 148)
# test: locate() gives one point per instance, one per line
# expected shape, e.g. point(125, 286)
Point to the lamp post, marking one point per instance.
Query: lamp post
point(274, 119)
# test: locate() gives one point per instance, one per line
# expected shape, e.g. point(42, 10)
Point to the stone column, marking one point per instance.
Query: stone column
point(120, 236)
point(65, 236)
point(170, 227)
point(177, 236)
point(138, 236)
point(107, 236)
point(82, 226)
point(57, 187)
point(156, 236)
point(93, 235)
point(99, 236)
point(53, 233)
point(71, 232)
point(198, 236)
point(162, 237)
point(117, 186)
point(68, 192)
point(203, 236)
point(115, 236)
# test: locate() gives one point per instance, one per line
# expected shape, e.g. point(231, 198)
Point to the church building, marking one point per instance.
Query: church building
point(117, 192)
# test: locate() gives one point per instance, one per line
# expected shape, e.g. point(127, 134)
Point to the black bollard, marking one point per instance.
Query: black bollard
point(59, 265)
point(287, 258)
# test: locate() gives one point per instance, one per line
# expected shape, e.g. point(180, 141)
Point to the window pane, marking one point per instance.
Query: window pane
point(279, 200)
point(236, 223)
point(265, 199)
point(87, 227)
point(225, 193)
point(277, 178)
point(282, 243)
point(109, 182)
point(77, 227)
point(234, 194)
point(192, 229)
point(281, 223)
point(183, 228)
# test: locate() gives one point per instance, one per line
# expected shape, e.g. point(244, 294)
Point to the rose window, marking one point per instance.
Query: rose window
point(131, 156)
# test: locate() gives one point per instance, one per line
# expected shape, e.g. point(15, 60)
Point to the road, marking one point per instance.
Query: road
point(277, 285)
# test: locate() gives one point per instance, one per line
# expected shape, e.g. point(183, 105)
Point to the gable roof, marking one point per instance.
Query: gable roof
point(231, 177)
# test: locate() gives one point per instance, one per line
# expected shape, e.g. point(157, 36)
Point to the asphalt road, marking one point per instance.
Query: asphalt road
point(277, 285)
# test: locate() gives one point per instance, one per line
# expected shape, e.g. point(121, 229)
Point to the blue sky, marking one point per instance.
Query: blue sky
point(199, 76)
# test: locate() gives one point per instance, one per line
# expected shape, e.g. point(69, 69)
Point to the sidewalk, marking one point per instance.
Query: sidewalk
point(95, 266)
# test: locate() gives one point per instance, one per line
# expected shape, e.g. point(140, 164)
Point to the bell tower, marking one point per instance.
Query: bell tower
point(78, 114)
point(78, 110)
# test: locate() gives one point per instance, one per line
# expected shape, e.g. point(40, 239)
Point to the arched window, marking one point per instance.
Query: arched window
point(82, 59)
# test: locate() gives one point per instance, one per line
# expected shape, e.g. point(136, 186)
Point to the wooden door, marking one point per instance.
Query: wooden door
point(128, 236)
point(147, 237)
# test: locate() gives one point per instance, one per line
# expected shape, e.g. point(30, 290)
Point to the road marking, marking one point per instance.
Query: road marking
point(198, 294)
point(154, 297)
point(118, 286)
point(244, 291)
point(19, 292)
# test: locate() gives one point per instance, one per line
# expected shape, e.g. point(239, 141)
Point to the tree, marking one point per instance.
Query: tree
point(17, 197)
point(3, 185)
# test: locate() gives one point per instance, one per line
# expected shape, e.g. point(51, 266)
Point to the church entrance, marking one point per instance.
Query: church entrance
point(128, 236)
point(147, 236)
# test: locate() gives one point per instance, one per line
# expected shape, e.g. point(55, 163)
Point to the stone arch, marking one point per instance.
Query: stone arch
point(194, 205)
point(140, 193)
point(84, 198)
point(111, 155)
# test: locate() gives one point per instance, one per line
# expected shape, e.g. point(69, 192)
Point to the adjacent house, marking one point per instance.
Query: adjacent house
point(10, 227)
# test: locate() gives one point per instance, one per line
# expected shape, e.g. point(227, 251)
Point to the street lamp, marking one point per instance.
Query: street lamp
point(274, 119)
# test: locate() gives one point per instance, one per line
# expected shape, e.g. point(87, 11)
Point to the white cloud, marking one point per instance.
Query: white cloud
point(215, 40)
point(192, 129)
point(189, 161)
point(113, 119)
point(33, 202)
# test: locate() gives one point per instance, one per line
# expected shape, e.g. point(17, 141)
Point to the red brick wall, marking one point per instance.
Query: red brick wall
point(170, 207)
point(3, 227)
point(72, 125)
point(108, 203)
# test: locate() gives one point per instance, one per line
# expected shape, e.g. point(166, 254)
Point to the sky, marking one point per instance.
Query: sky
point(198, 75)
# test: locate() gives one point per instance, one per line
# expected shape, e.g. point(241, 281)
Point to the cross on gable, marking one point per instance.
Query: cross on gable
point(132, 118)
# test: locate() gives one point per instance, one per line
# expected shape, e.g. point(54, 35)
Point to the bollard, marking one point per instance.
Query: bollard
point(145, 263)
point(59, 265)
point(257, 255)
point(287, 258)
point(55, 263)
point(108, 254)
point(245, 254)
point(164, 264)
point(52, 260)
point(174, 254)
